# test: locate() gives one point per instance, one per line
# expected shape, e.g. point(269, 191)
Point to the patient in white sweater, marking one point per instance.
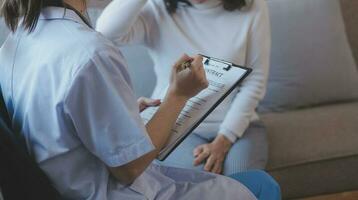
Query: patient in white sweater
point(232, 139)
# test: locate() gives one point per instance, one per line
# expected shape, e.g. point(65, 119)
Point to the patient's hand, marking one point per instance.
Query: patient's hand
point(144, 103)
point(213, 154)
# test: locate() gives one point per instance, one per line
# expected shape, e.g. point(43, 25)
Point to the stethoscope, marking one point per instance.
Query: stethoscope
point(85, 19)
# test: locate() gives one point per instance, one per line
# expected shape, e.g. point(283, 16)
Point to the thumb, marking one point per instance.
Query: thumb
point(184, 58)
point(152, 102)
point(197, 151)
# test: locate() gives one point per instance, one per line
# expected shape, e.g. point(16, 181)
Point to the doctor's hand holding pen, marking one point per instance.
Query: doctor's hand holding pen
point(186, 74)
point(188, 77)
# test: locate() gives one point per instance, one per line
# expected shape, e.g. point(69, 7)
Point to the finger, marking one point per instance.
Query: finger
point(205, 81)
point(220, 170)
point(198, 150)
point(151, 102)
point(141, 104)
point(184, 58)
point(144, 102)
point(197, 63)
point(217, 167)
point(140, 100)
point(198, 68)
point(200, 158)
point(209, 164)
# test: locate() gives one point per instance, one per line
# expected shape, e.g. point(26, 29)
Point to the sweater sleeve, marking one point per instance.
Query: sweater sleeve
point(253, 89)
point(127, 22)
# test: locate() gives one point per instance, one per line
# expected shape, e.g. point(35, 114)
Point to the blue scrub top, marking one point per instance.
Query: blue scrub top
point(69, 94)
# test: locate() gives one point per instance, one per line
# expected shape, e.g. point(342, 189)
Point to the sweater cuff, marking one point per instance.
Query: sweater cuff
point(229, 135)
point(237, 129)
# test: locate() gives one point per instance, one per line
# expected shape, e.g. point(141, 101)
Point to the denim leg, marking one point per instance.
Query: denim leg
point(182, 156)
point(261, 184)
point(248, 152)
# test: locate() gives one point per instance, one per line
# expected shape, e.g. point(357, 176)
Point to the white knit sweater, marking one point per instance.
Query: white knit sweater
point(242, 37)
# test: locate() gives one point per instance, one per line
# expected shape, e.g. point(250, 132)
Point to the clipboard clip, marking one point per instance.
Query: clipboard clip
point(227, 68)
point(218, 63)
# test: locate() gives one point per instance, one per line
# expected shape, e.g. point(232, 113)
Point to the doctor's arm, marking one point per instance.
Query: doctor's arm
point(126, 22)
point(184, 84)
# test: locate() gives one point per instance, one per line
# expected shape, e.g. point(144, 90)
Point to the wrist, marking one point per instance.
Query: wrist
point(222, 139)
point(228, 134)
point(173, 98)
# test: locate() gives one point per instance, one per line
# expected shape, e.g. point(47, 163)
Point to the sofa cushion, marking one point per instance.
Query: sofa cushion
point(311, 60)
point(317, 178)
point(311, 135)
point(350, 10)
point(141, 70)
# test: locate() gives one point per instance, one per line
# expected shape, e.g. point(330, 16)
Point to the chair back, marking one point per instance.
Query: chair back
point(20, 176)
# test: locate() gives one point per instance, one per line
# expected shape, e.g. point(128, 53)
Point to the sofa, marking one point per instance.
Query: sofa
point(311, 106)
point(313, 133)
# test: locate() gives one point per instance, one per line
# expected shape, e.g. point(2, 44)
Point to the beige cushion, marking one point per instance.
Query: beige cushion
point(350, 10)
point(313, 134)
point(311, 59)
point(316, 178)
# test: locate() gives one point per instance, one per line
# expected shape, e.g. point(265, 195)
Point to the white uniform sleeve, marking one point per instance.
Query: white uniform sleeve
point(127, 22)
point(253, 89)
point(104, 112)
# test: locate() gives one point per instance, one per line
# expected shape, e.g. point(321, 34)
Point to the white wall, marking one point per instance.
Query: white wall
point(98, 3)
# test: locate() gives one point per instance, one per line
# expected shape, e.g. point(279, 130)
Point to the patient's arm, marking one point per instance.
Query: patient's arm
point(126, 22)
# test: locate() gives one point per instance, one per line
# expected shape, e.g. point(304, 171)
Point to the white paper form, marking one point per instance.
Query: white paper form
point(223, 77)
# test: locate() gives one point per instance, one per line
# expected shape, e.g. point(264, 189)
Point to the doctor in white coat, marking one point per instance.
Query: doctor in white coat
point(69, 94)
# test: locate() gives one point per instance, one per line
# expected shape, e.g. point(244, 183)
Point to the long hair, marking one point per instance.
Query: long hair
point(27, 10)
point(229, 5)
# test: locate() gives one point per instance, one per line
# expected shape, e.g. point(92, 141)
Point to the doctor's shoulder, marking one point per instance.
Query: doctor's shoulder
point(86, 40)
point(89, 46)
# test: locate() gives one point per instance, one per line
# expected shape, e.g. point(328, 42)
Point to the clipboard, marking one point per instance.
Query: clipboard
point(215, 68)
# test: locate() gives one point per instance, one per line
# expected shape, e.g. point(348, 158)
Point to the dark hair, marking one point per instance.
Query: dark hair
point(229, 5)
point(29, 11)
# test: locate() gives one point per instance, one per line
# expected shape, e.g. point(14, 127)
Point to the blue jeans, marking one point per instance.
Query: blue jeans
point(247, 153)
point(262, 185)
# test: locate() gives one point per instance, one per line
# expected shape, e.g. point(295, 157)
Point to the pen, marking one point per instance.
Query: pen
point(186, 64)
